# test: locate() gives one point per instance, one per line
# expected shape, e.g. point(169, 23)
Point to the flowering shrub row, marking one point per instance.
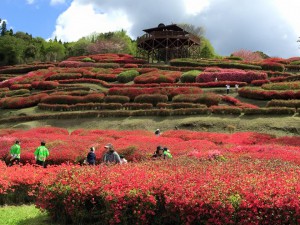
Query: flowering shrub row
point(20, 69)
point(153, 99)
point(169, 91)
point(270, 111)
point(67, 99)
point(14, 93)
point(273, 66)
point(221, 64)
point(179, 105)
point(75, 64)
point(20, 86)
point(45, 85)
point(208, 99)
point(80, 106)
point(230, 75)
point(116, 99)
point(21, 102)
point(259, 82)
point(284, 103)
point(268, 95)
point(282, 86)
point(64, 76)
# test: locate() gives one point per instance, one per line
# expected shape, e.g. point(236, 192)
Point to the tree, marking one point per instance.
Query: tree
point(11, 50)
point(198, 31)
point(3, 27)
point(54, 51)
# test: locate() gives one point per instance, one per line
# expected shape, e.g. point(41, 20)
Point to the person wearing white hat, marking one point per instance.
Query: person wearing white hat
point(157, 132)
point(111, 156)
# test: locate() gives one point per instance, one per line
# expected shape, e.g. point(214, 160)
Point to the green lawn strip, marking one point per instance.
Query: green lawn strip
point(23, 215)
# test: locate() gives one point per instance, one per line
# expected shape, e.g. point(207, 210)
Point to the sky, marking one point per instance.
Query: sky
point(271, 26)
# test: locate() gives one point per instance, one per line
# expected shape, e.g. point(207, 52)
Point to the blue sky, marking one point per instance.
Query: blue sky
point(34, 17)
point(271, 26)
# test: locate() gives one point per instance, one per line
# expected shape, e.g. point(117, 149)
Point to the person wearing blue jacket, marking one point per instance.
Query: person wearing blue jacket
point(91, 157)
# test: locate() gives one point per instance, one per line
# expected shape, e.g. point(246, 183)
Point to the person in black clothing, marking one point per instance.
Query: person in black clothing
point(91, 157)
point(157, 132)
point(158, 153)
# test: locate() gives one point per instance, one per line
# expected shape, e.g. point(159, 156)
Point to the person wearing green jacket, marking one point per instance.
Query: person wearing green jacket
point(15, 152)
point(167, 154)
point(41, 154)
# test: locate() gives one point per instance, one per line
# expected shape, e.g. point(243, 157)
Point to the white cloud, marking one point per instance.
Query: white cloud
point(81, 20)
point(271, 26)
point(56, 2)
point(195, 7)
point(30, 2)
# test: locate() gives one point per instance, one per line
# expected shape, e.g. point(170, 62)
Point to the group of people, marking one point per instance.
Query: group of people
point(162, 153)
point(110, 157)
point(40, 154)
point(236, 86)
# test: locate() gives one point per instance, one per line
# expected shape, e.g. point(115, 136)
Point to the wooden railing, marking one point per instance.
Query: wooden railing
point(168, 34)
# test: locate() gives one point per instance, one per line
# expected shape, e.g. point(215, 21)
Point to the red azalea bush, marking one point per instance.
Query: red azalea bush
point(64, 76)
point(230, 75)
point(267, 95)
point(45, 85)
point(20, 86)
point(259, 82)
point(158, 76)
point(153, 99)
point(22, 102)
point(67, 99)
point(273, 66)
point(170, 91)
point(282, 86)
point(208, 99)
point(284, 103)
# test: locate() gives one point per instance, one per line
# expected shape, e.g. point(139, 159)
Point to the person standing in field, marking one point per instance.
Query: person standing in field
point(15, 153)
point(236, 88)
point(91, 157)
point(111, 156)
point(227, 88)
point(41, 154)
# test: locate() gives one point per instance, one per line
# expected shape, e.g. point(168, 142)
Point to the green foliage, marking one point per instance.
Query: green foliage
point(190, 76)
point(207, 50)
point(235, 200)
point(127, 76)
point(87, 59)
point(25, 215)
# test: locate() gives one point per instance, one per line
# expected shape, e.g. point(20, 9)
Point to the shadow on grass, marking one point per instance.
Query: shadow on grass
point(39, 220)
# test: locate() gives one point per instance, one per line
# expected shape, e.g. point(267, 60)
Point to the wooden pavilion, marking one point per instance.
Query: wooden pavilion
point(163, 43)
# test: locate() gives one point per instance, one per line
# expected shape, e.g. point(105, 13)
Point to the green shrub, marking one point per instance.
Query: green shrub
point(270, 111)
point(127, 76)
point(190, 76)
point(153, 99)
point(87, 59)
point(234, 58)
